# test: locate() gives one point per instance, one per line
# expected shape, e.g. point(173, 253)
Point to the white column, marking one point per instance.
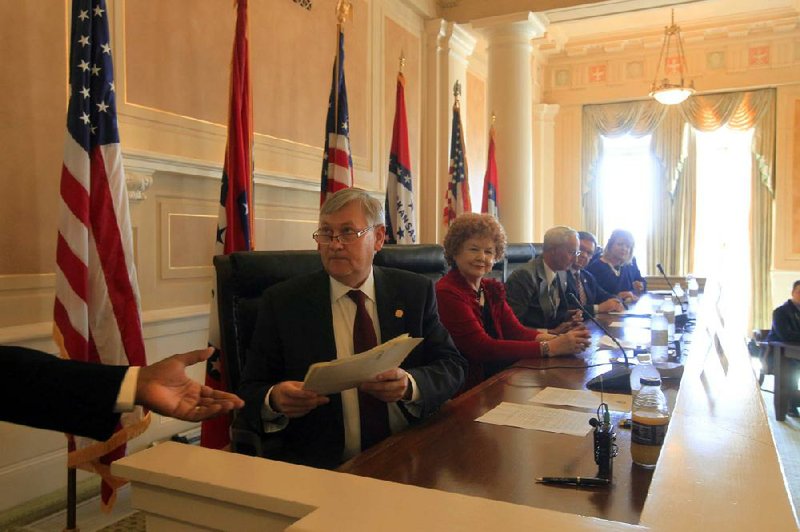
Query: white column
point(448, 47)
point(545, 187)
point(511, 96)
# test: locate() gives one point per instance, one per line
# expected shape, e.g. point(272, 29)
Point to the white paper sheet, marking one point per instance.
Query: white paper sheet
point(627, 344)
point(326, 378)
point(582, 399)
point(533, 417)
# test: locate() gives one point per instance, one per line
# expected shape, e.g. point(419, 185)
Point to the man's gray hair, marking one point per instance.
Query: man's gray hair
point(558, 236)
point(373, 209)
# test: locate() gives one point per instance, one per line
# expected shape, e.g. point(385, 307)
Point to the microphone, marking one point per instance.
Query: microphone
point(602, 328)
point(618, 378)
point(680, 321)
point(664, 275)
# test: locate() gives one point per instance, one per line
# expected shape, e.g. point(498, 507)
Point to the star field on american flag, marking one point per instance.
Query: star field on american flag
point(92, 114)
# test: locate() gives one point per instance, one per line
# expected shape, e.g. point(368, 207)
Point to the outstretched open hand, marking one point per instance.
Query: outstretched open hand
point(165, 388)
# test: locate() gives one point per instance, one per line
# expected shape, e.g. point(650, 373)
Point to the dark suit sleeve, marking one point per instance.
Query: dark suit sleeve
point(46, 392)
point(264, 362)
point(522, 295)
point(784, 327)
point(441, 370)
point(600, 293)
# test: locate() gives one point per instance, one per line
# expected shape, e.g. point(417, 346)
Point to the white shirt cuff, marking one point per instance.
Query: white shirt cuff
point(126, 398)
point(272, 421)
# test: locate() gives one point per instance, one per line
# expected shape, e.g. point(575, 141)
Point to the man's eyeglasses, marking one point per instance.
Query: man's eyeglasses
point(348, 236)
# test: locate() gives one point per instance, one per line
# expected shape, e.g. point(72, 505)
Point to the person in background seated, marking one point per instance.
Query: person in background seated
point(536, 291)
point(347, 307)
point(583, 285)
point(474, 309)
point(615, 271)
point(786, 328)
point(86, 399)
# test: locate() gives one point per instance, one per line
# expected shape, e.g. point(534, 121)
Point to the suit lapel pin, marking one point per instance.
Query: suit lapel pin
point(398, 313)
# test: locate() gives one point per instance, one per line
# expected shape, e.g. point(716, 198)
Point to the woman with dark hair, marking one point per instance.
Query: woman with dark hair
point(474, 310)
point(616, 270)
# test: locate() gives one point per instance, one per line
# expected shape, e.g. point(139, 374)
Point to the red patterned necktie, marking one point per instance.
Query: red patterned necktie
point(581, 289)
point(373, 412)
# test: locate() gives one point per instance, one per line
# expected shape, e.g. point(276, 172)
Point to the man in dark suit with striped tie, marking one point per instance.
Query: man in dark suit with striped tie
point(331, 314)
point(583, 284)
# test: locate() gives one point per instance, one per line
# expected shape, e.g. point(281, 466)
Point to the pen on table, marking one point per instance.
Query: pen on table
point(575, 481)
point(624, 305)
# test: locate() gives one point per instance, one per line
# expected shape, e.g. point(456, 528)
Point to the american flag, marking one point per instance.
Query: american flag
point(235, 225)
point(457, 196)
point(96, 311)
point(337, 162)
point(400, 217)
point(489, 203)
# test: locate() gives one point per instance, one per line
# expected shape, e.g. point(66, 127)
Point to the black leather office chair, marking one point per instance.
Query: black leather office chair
point(243, 276)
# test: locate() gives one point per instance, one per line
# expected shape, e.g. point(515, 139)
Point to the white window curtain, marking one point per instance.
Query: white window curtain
point(673, 147)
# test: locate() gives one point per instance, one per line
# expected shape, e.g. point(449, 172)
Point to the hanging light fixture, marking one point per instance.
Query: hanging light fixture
point(669, 86)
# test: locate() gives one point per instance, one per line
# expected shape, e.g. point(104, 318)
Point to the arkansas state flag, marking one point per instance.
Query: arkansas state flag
point(489, 203)
point(96, 312)
point(235, 223)
point(400, 218)
point(337, 161)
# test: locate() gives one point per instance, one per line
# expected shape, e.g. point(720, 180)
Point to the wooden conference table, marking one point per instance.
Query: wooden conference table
point(454, 453)
point(718, 470)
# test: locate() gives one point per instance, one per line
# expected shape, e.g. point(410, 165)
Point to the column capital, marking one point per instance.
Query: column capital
point(450, 36)
point(514, 28)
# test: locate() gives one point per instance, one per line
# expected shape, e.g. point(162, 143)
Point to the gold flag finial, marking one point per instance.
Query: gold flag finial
point(402, 60)
point(343, 10)
point(494, 116)
point(457, 89)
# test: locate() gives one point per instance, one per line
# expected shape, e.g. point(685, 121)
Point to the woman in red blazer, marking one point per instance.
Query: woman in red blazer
point(474, 309)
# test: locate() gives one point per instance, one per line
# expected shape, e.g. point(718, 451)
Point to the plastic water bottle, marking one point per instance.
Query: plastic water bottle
point(644, 369)
point(650, 417)
point(693, 288)
point(678, 290)
point(659, 337)
point(668, 308)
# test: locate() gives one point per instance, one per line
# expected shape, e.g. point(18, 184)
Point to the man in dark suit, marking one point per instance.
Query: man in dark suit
point(314, 318)
point(583, 285)
point(47, 392)
point(786, 328)
point(536, 291)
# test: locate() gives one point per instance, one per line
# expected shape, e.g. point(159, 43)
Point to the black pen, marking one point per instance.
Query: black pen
point(575, 481)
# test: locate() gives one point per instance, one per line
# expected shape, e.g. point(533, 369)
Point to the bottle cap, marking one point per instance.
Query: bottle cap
point(650, 381)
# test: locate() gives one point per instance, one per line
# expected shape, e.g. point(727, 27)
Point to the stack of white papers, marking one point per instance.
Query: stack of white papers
point(582, 399)
point(539, 418)
point(326, 378)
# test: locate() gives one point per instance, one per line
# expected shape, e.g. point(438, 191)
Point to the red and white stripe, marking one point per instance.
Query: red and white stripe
point(97, 297)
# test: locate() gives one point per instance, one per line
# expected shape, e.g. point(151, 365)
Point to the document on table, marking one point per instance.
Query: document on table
point(582, 399)
point(334, 376)
point(606, 341)
point(638, 322)
point(632, 313)
point(534, 417)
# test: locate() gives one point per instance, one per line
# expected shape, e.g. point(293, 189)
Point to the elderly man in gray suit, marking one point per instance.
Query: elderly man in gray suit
point(537, 291)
